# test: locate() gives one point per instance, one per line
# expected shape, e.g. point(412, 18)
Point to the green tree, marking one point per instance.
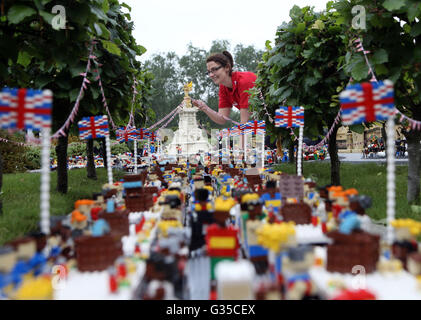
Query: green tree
point(393, 37)
point(304, 69)
point(34, 54)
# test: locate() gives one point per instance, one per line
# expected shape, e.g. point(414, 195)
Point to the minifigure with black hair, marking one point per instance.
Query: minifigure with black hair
point(251, 221)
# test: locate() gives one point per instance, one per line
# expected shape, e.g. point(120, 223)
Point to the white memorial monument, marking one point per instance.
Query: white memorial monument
point(189, 138)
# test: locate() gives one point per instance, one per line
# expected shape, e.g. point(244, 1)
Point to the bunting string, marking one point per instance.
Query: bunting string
point(71, 118)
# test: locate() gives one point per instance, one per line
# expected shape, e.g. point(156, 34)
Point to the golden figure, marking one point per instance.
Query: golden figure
point(187, 88)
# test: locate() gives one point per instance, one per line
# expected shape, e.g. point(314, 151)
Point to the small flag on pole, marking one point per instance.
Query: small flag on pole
point(289, 117)
point(25, 109)
point(255, 127)
point(93, 127)
point(367, 102)
point(124, 134)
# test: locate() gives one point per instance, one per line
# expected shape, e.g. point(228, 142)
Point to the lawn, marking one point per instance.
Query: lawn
point(21, 192)
point(21, 199)
point(368, 179)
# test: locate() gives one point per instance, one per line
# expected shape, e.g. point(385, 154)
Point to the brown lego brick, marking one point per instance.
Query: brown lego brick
point(118, 221)
point(97, 253)
point(348, 251)
point(300, 213)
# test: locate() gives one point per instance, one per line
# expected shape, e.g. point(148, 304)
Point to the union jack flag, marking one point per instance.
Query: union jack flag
point(143, 133)
point(25, 109)
point(127, 134)
point(151, 135)
point(255, 127)
point(93, 127)
point(367, 102)
point(289, 117)
point(238, 130)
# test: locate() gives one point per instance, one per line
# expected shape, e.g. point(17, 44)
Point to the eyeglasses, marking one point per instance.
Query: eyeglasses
point(213, 70)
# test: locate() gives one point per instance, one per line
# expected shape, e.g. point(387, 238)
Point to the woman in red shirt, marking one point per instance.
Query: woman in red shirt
point(232, 87)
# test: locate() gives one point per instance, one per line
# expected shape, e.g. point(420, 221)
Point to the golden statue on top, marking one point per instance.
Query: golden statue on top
point(187, 88)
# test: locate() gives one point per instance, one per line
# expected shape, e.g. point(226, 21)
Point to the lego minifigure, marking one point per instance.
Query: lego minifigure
point(221, 238)
point(252, 221)
point(201, 216)
point(158, 276)
point(99, 228)
point(271, 197)
point(297, 263)
point(405, 242)
point(25, 249)
point(7, 261)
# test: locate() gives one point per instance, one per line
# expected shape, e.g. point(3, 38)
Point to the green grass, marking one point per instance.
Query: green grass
point(368, 179)
point(21, 192)
point(21, 199)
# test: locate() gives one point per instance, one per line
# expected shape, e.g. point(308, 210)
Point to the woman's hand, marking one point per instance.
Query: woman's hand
point(199, 103)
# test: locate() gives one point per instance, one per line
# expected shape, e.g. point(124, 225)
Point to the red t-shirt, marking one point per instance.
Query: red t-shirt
point(237, 96)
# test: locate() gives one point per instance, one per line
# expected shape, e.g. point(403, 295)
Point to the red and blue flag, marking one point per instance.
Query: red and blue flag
point(255, 127)
point(25, 109)
point(289, 117)
point(367, 102)
point(93, 127)
point(127, 134)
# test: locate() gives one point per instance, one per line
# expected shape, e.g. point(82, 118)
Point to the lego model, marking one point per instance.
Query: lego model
point(296, 264)
point(405, 242)
point(300, 213)
point(97, 253)
point(221, 239)
point(235, 280)
point(271, 197)
point(291, 187)
point(252, 221)
point(117, 220)
point(349, 250)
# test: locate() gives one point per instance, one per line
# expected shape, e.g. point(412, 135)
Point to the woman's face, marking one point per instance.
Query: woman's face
point(217, 72)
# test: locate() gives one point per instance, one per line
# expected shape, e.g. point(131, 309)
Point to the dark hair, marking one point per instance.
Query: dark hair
point(224, 59)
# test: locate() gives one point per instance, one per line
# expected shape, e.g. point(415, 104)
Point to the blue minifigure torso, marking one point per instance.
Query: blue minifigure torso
point(274, 201)
point(37, 263)
point(19, 270)
point(349, 222)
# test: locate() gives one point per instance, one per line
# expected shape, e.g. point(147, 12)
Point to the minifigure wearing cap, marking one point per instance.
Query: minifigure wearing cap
point(296, 264)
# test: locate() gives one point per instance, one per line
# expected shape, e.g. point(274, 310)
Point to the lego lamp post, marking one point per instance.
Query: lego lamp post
point(31, 109)
point(97, 127)
point(292, 117)
point(368, 102)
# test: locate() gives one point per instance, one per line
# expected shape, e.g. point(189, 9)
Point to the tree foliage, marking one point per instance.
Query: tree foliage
point(171, 72)
point(393, 37)
point(303, 68)
point(34, 54)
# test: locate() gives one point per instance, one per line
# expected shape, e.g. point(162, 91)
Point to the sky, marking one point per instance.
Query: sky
point(170, 25)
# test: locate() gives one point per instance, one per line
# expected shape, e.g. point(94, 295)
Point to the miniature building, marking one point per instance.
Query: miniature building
point(140, 198)
point(97, 253)
point(347, 251)
point(118, 221)
point(300, 213)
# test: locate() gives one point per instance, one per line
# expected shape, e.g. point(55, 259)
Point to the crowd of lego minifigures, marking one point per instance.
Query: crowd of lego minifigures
point(193, 231)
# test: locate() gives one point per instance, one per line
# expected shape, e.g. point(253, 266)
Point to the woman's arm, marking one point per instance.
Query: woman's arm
point(217, 117)
point(244, 115)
